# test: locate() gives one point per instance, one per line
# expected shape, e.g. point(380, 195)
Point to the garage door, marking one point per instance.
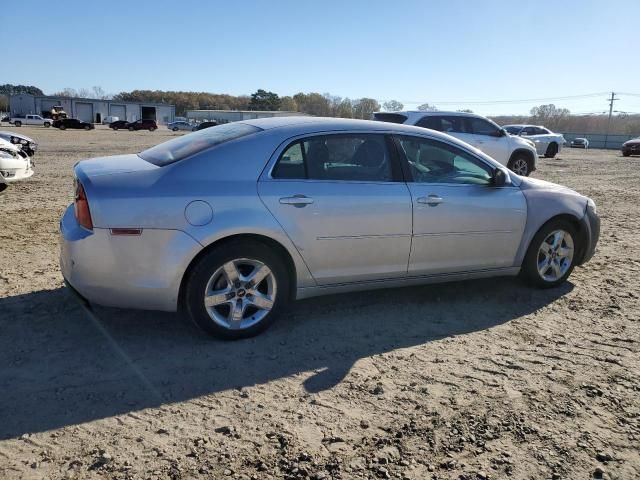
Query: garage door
point(84, 112)
point(118, 111)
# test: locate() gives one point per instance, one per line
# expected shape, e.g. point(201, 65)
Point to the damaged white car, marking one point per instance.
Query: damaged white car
point(16, 152)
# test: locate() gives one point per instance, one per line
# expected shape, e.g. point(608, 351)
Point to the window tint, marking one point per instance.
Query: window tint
point(431, 121)
point(431, 161)
point(186, 145)
point(363, 158)
point(529, 130)
point(542, 131)
point(454, 124)
point(390, 117)
point(479, 126)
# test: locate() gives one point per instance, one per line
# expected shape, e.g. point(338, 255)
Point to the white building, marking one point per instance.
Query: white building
point(90, 109)
point(225, 116)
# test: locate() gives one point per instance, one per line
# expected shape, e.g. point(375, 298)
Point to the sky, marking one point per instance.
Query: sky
point(414, 51)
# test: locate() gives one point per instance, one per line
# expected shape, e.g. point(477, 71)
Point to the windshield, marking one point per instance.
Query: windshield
point(187, 145)
point(513, 130)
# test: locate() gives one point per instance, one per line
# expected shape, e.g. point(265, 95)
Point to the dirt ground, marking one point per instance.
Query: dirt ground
point(477, 380)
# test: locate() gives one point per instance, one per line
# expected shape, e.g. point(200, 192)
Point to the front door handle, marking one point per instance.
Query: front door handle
point(297, 201)
point(431, 200)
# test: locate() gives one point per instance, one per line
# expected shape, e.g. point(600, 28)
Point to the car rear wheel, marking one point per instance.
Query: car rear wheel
point(175, 129)
point(626, 154)
point(62, 127)
point(47, 124)
point(3, 187)
point(18, 124)
point(552, 150)
point(151, 129)
point(237, 290)
point(519, 164)
point(131, 129)
point(551, 255)
point(115, 128)
point(87, 127)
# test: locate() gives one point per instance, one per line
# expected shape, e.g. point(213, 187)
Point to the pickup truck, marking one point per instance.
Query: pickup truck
point(30, 120)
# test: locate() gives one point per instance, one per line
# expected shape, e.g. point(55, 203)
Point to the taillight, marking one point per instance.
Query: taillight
point(81, 206)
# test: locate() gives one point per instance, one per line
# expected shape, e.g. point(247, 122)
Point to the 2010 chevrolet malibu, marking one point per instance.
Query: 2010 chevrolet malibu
point(232, 223)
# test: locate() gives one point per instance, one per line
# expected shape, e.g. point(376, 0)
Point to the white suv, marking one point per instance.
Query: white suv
point(518, 154)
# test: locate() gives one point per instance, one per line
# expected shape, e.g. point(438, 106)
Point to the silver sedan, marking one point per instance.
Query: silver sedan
point(231, 223)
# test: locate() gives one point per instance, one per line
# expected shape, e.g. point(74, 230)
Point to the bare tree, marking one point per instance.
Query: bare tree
point(426, 107)
point(98, 92)
point(393, 106)
point(84, 92)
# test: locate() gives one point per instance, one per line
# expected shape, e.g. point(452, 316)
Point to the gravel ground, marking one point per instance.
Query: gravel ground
point(475, 380)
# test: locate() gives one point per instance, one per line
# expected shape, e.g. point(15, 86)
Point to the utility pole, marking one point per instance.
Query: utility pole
point(611, 100)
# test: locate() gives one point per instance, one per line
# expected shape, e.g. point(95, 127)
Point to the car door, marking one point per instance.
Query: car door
point(30, 120)
point(342, 201)
point(489, 138)
point(461, 223)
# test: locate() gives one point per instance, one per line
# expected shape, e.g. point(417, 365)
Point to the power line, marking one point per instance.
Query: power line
point(611, 100)
point(494, 102)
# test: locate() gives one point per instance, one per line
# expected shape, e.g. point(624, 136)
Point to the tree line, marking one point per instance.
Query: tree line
point(327, 105)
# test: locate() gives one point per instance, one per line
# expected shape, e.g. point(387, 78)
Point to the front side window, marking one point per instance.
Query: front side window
point(360, 158)
point(432, 161)
point(513, 130)
point(431, 121)
point(196, 142)
point(530, 130)
point(478, 126)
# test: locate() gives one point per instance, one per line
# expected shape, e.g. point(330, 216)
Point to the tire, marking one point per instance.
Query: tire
point(115, 128)
point(87, 127)
point(552, 150)
point(520, 164)
point(47, 124)
point(3, 188)
point(245, 257)
point(175, 129)
point(17, 124)
point(131, 129)
point(62, 127)
point(536, 269)
point(151, 129)
point(626, 154)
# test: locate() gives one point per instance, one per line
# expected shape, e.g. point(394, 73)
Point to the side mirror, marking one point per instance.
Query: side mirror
point(499, 178)
point(499, 133)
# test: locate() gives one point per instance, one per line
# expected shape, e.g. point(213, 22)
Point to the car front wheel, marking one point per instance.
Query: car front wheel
point(520, 164)
point(47, 124)
point(551, 255)
point(62, 127)
point(131, 129)
point(237, 290)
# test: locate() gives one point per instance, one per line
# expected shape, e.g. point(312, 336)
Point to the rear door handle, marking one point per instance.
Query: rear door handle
point(431, 200)
point(297, 201)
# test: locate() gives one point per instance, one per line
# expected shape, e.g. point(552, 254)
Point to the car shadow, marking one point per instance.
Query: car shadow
point(64, 365)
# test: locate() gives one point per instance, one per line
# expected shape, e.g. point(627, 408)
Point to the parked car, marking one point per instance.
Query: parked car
point(518, 154)
point(27, 145)
point(109, 119)
point(547, 143)
point(203, 125)
point(233, 222)
point(175, 126)
point(15, 164)
point(579, 143)
point(150, 125)
point(119, 124)
point(74, 123)
point(631, 147)
point(31, 120)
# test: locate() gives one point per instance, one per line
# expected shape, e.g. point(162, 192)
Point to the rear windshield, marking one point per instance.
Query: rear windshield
point(187, 145)
point(513, 130)
point(390, 117)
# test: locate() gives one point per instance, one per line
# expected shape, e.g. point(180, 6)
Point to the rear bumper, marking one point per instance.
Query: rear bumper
point(142, 271)
point(590, 228)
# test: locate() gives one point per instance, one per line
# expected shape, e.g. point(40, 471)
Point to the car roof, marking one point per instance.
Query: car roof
point(298, 125)
point(439, 112)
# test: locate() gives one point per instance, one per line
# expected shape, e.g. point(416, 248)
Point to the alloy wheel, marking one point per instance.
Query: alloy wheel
point(240, 293)
point(555, 255)
point(520, 166)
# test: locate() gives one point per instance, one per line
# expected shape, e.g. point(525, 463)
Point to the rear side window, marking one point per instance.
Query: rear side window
point(390, 117)
point(360, 158)
point(196, 142)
